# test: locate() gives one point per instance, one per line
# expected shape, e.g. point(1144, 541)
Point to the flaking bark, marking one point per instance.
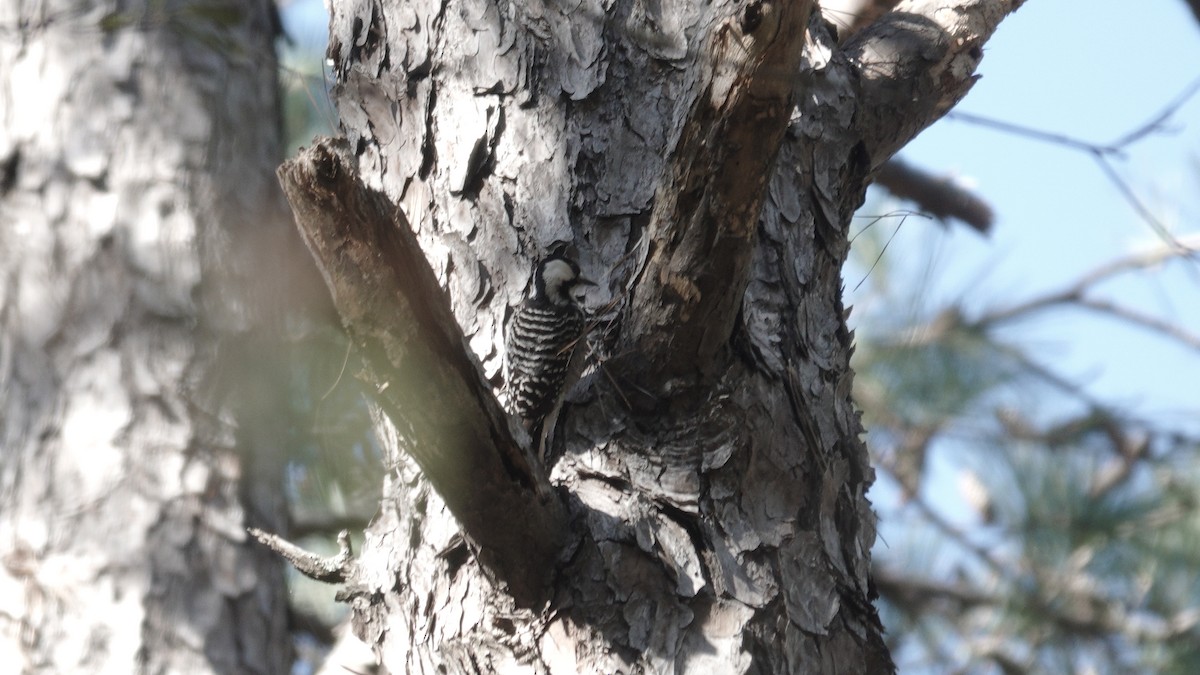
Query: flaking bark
point(718, 527)
point(140, 240)
point(421, 372)
point(703, 224)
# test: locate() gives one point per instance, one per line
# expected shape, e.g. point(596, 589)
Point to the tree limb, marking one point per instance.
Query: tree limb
point(421, 371)
point(328, 569)
point(1077, 294)
point(935, 195)
point(702, 228)
point(915, 63)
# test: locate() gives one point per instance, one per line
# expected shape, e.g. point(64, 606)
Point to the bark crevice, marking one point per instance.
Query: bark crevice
point(716, 502)
point(706, 207)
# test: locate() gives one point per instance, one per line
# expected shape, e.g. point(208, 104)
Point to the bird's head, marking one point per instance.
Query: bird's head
point(556, 278)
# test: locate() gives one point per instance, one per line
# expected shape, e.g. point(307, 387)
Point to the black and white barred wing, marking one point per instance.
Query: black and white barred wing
point(540, 342)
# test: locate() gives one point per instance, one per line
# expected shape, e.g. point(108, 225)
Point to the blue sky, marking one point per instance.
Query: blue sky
point(1093, 71)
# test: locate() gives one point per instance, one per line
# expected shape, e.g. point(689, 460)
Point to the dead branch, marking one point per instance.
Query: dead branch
point(331, 570)
point(935, 195)
point(422, 374)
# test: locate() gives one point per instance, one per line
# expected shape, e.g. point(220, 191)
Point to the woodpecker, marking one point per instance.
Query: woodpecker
point(541, 340)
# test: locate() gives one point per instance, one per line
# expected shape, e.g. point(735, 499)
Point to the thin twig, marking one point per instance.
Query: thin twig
point(884, 249)
point(1138, 260)
point(1141, 209)
point(958, 535)
point(333, 569)
point(1146, 321)
point(1155, 123)
point(1101, 152)
point(1077, 292)
point(1036, 134)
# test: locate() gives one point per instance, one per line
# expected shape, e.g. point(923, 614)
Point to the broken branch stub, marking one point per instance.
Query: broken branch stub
point(421, 372)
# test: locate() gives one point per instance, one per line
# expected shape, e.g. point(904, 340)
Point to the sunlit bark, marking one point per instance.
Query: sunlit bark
point(137, 142)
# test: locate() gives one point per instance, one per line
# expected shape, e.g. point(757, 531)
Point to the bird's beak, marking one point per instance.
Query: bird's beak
point(576, 291)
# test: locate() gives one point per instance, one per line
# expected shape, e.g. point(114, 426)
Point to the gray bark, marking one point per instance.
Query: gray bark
point(397, 315)
point(703, 161)
point(137, 141)
point(851, 16)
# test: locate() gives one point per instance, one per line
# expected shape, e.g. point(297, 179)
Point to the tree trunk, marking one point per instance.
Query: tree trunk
point(136, 212)
point(703, 162)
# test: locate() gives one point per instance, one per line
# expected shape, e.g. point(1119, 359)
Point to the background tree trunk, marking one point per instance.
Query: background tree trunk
point(712, 471)
point(137, 213)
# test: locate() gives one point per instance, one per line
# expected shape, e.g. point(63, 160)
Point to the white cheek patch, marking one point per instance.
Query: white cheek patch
point(557, 272)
